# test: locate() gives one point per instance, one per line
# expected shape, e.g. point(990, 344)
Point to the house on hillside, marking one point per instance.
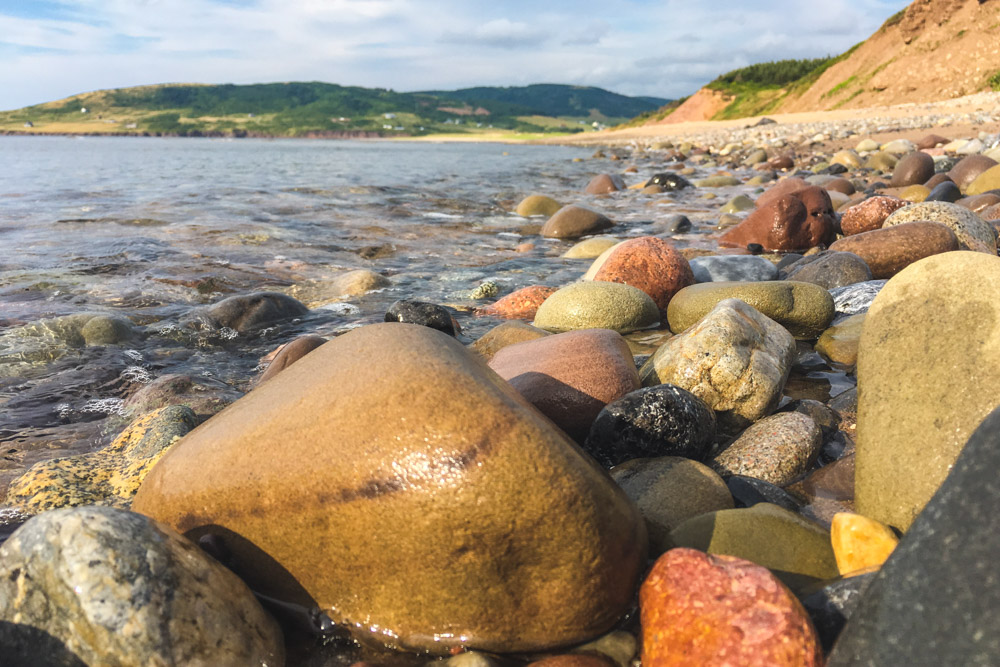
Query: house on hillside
point(28, 123)
point(83, 109)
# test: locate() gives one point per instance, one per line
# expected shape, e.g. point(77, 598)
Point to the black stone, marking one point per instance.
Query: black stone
point(946, 191)
point(789, 259)
point(669, 181)
point(422, 313)
point(755, 248)
point(936, 601)
point(656, 421)
point(831, 606)
point(749, 491)
point(834, 169)
point(675, 223)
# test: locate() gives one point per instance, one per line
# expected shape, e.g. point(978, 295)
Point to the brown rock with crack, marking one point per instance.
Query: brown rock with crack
point(650, 264)
point(797, 221)
point(889, 250)
point(869, 214)
point(433, 465)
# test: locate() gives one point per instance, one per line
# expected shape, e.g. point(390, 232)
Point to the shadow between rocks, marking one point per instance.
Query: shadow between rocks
point(27, 646)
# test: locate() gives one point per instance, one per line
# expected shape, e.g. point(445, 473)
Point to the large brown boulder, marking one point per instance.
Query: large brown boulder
point(797, 221)
point(889, 250)
point(396, 482)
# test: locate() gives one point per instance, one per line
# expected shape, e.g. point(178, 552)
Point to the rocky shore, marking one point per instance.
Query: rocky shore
point(637, 466)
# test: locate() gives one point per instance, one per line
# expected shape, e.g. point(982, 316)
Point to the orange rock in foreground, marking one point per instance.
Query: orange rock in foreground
point(699, 610)
point(860, 543)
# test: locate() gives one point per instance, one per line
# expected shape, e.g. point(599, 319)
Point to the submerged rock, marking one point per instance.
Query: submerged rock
point(247, 312)
point(572, 222)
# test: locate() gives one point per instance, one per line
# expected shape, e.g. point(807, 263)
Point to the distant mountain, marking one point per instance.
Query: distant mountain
point(548, 99)
point(320, 109)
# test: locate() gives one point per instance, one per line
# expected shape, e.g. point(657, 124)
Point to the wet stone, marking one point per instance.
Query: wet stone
point(425, 314)
point(946, 191)
point(829, 269)
point(854, 299)
point(669, 181)
point(722, 268)
point(676, 223)
point(776, 449)
point(290, 353)
point(506, 334)
point(750, 491)
point(572, 222)
point(521, 304)
point(597, 305)
point(245, 313)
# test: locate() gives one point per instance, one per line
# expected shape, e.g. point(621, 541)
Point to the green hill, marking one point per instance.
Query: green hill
point(318, 109)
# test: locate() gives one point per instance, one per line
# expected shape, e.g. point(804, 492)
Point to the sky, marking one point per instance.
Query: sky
point(50, 49)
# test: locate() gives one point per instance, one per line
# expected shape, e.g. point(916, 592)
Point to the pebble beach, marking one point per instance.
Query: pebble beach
point(698, 395)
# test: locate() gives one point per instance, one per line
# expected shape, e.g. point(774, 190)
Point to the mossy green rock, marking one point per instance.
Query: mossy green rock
point(802, 308)
point(928, 373)
point(717, 181)
point(107, 330)
point(986, 181)
point(795, 549)
point(538, 205)
point(597, 305)
point(738, 204)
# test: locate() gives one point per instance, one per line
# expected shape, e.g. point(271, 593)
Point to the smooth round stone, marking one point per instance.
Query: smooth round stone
point(107, 330)
point(570, 377)
point(927, 377)
point(931, 141)
point(669, 181)
point(944, 191)
point(669, 490)
point(991, 214)
point(802, 308)
point(969, 168)
point(866, 145)
point(979, 203)
point(972, 232)
point(795, 549)
point(776, 449)
point(914, 193)
point(717, 182)
point(619, 646)
point(881, 161)
point(400, 438)
point(732, 268)
point(786, 186)
point(245, 313)
point(734, 359)
point(755, 157)
point(520, 304)
point(839, 343)
point(408, 311)
point(829, 269)
point(664, 420)
point(572, 222)
point(889, 250)
point(360, 281)
point(781, 162)
point(738, 204)
point(603, 184)
point(676, 223)
point(289, 353)
point(699, 609)
point(831, 606)
point(750, 491)
point(110, 476)
point(986, 181)
point(104, 586)
point(648, 263)
point(597, 305)
point(847, 158)
point(506, 334)
point(913, 169)
point(840, 185)
point(204, 395)
point(869, 214)
point(591, 248)
point(856, 298)
point(860, 543)
point(537, 205)
point(900, 147)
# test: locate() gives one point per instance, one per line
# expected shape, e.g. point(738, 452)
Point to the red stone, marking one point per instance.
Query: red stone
point(700, 610)
point(785, 186)
point(520, 304)
point(869, 214)
point(797, 221)
point(288, 354)
point(603, 184)
point(650, 264)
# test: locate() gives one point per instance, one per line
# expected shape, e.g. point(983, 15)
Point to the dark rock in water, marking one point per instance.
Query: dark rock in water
point(248, 312)
point(945, 191)
point(379, 251)
point(934, 602)
point(676, 223)
point(204, 395)
point(829, 269)
point(750, 491)
point(832, 605)
point(669, 181)
point(422, 313)
point(572, 222)
point(110, 587)
point(664, 420)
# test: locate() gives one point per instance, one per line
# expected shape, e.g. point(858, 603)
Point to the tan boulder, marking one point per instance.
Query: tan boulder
point(572, 222)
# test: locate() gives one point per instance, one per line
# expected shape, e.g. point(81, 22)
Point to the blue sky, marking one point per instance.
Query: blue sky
point(51, 49)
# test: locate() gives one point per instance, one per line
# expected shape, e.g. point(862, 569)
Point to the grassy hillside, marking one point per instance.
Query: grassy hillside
point(315, 109)
point(558, 100)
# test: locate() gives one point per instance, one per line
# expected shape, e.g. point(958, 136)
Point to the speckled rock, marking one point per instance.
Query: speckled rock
point(972, 232)
point(839, 343)
point(506, 334)
point(570, 377)
point(776, 449)
point(597, 305)
point(655, 421)
point(732, 268)
point(795, 549)
point(934, 600)
point(537, 205)
point(913, 169)
point(591, 248)
point(802, 308)
point(288, 354)
point(431, 315)
point(110, 476)
point(734, 359)
point(572, 222)
point(713, 610)
point(418, 451)
point(573, 660)
point(669, 181)
point(855, 299)
point(991, 214)
point(115, 588)
point(831, 606)
point(889, 250)
point(647, 263)
point(797, 221)
point(603, 184)
point(969, 168)
point(986, 181)
point(669, 490)
point(248, 312)
point(870, 214)
point(924, 365)
point(488, 289)
point(520, 304)
point(829, 269)
point(357, 282)
point(859, 543)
